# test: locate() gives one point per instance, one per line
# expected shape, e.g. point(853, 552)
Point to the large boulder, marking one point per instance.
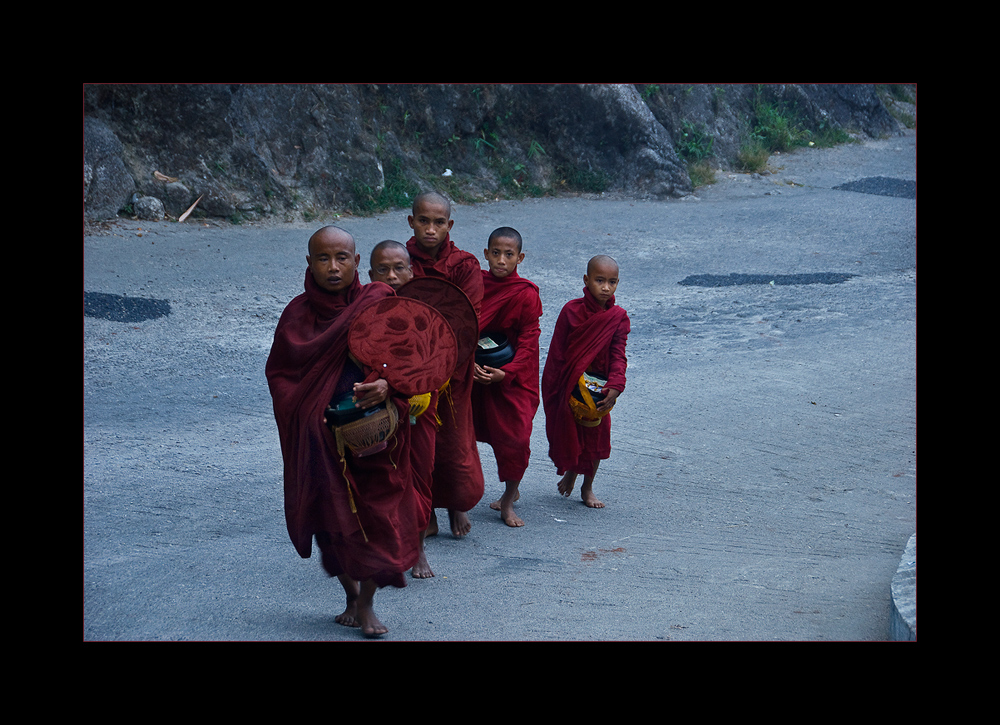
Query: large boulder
point(107, 183)
point(607, 128)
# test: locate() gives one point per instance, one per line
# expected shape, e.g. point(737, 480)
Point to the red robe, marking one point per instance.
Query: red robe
point(308, 356)
point(423, 434)
point(503, 412)
point(586, 339)
point(457, 479)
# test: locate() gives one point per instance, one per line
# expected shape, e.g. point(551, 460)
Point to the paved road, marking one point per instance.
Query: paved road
point(762, 483)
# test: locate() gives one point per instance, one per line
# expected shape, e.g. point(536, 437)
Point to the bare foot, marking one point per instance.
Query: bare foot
point(510, 518)
point(566, 483)
point(370, 625)
point(507, 506)
point(590, 499)
point(496, 505)
point(460, 524)
point(432, 527)
point(422, 570)
point(349, 617)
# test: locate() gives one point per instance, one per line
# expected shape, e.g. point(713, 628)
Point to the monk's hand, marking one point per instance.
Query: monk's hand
point(610, 395)
point(368, 395)
point(481, 375)
point(487, 376)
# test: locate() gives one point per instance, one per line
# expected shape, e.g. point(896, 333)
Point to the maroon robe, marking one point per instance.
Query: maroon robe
point(457, 478)
point(586, 338)
point(380, 540)
point(503, 412)
point(423, 434)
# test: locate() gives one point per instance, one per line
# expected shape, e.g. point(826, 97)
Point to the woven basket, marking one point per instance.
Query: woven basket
point(370, 433)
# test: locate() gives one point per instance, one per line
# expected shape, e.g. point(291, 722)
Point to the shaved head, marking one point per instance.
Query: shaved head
point(385, 245)
point(601, 279)
point(390, 263)
point(432, 197)
point(332, 233)
point(332, 259)
point(601, 260)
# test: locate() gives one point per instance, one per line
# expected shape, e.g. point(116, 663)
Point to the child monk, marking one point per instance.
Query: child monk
point(505, 398)
point(589, 337)
point(458, 475)
point(390, 263)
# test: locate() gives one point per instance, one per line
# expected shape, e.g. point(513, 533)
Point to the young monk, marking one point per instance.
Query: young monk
point(390, 263)
point(458, 475)
point(505, 398)
point(589, 337)
point(361, 509)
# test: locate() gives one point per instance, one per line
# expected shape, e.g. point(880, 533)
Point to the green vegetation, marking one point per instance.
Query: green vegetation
point(896, 91)
point(895, 94)
point(701, 173)
point(453, 188)
point(480, 144)
point(753, 155)
point(586, 180)
point(776, 126)
point(396, 192)
point(830, 135)
point(513, 179)
point(695, 146)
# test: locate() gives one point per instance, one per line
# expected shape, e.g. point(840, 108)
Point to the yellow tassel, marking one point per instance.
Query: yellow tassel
point(446, 392)
point(354, 508)
point(347, 481)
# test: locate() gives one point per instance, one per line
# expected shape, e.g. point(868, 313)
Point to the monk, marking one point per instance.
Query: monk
point(505, 398)
point(360, 510)
point(589, 337)
point(458, 475)
point(390, 263)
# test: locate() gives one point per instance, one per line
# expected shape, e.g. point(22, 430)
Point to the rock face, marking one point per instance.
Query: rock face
point(305, 151)
point(107, 183)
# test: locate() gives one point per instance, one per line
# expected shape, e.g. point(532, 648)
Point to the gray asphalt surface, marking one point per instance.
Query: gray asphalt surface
point(762, 484)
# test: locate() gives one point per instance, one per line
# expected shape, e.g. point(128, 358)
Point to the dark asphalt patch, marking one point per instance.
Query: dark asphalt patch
point(119, 308)
point(732, 280)
point(882, 186)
